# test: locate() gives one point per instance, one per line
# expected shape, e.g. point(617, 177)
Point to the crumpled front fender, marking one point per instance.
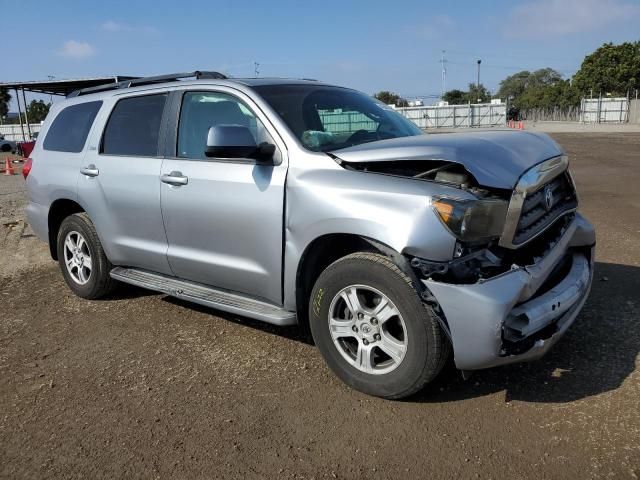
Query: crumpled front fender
point(476, 313)
point(393, 211)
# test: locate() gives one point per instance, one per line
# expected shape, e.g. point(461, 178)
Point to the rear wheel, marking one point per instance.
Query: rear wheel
point(84, 265)
point(372, 328)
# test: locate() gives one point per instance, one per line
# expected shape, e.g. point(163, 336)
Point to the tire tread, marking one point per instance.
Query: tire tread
point(104, 284)
point(441, 348)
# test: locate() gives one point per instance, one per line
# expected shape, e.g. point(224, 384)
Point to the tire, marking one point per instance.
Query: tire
point(422, 340)
point(90, 283)
point(6, 147)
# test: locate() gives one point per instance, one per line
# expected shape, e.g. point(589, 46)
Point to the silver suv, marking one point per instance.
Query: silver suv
point(293, 201)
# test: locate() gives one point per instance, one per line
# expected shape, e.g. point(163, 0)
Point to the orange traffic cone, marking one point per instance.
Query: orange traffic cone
point(8, 167)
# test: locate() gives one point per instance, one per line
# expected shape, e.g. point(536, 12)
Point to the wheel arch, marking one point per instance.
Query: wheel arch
point(58, 211)
point(326, 249)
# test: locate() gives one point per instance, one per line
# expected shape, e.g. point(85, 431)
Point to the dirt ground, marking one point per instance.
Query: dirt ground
point(142, 385)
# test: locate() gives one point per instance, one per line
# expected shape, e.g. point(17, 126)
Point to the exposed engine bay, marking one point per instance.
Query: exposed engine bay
point(472, 261)
point(439, 171)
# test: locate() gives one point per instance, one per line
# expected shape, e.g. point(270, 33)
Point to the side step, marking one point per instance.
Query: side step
point(207, 296)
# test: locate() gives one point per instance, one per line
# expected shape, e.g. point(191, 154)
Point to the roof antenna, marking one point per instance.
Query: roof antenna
point(256, 69)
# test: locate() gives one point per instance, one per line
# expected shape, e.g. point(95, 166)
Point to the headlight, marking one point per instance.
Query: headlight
point(472, 220)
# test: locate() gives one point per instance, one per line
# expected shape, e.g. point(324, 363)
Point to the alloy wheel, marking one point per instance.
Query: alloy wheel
point(367, 329)
point(77, 257)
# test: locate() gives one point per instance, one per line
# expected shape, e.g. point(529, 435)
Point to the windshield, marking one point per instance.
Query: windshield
point(329, 118)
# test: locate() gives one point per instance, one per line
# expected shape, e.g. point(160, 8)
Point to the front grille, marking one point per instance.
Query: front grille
point(536, 215)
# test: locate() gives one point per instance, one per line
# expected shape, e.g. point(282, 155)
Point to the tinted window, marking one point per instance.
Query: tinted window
point(329, 118)
point(203, 110)
point(134, 126)
point(69, 130)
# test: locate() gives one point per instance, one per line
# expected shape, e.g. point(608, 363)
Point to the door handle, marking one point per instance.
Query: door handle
point(90, 171)
point(174, 178)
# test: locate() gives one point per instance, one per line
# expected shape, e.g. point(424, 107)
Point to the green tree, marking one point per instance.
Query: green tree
point(543, 88)
point(475, 94)
point(561, 94)
point(478, 94)
point(456, 97)
point(515, 86)
point(391, 98)
point(613, 69)
point(4, 101)
point(37, 111)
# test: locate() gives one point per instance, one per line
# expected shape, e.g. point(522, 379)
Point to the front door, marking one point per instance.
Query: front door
point(223, 218)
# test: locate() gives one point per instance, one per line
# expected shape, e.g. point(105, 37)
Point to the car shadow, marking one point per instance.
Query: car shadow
point(125, 292)
point(290, 332)
point(595, 356)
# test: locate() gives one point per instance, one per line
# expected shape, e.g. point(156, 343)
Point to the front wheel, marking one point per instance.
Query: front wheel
point(372, 328)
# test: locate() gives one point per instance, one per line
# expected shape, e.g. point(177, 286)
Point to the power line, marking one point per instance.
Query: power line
point(508, 67)
point(506, 55)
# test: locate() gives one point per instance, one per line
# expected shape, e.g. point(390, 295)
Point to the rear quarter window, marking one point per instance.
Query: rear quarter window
point(69, 130)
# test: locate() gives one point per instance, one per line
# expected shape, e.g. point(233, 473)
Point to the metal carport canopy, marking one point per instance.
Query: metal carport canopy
point(63, 87)
point(54, 87)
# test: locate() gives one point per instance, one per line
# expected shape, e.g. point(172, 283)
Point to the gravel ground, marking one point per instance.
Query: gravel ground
point(585, 128)
point(142, 385)
point(20, 250)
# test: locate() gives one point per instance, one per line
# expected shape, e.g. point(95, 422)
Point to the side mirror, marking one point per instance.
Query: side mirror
point(236, 141)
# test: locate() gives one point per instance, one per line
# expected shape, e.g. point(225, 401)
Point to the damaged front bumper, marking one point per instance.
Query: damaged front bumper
point(517, 316)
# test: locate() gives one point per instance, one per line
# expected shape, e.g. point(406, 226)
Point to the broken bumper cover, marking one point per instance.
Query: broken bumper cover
point(490, 322)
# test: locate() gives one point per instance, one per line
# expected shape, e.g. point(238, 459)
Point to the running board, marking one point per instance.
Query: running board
point(207, 296)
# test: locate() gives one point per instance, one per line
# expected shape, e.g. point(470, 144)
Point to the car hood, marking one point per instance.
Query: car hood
point(495, 158)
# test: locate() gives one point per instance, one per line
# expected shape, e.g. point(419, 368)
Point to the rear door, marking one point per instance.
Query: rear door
point(224, 224)
point(119, 182)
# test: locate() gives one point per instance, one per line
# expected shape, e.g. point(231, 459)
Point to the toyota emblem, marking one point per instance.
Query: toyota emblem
point(548, 198)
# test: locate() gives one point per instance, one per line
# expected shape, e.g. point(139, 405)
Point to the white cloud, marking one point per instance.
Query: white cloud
point(112, 26)
point(436, 26)
point(348, 66)
point(553, 18)
point(79, 50)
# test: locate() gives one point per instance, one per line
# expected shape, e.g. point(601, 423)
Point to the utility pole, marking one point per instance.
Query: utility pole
point(478, 83)
point(256, 69)
point(443, 61)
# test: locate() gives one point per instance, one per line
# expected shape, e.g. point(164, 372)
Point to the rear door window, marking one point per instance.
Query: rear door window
point(69, 130)
point(134, 126)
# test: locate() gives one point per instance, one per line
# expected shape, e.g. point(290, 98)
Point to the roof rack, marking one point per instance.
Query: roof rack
point(172, 77)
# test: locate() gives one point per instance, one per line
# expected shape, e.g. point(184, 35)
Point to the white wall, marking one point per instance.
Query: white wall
point(455, 116)
point(13, 132)
point(604, 110)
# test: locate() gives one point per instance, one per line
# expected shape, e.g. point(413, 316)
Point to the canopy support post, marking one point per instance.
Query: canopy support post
point(26, 113)
point(24, 139)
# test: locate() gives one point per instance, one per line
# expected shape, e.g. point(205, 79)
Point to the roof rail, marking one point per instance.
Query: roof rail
point(172, 77)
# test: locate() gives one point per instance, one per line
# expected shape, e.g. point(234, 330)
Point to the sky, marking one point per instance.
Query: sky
point(368, 45)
